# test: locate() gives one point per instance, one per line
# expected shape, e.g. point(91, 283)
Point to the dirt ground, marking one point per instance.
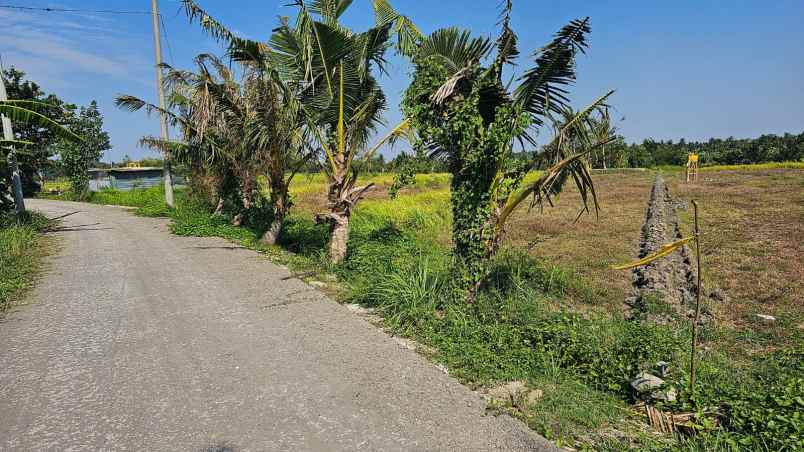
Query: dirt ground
point(590, 245)
point(752, 222)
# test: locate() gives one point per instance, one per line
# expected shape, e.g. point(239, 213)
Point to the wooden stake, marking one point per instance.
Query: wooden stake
point(697, 300)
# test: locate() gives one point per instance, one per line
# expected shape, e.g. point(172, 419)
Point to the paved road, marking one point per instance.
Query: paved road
point(138, 340)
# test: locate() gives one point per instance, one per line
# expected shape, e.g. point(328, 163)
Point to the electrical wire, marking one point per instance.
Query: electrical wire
point(167, 41)
point(71, 10)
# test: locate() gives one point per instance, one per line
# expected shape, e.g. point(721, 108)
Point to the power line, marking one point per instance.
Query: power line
point(70, 10)
point(167, 41)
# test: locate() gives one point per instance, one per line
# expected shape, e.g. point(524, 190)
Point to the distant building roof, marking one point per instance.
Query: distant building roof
point(126, 170)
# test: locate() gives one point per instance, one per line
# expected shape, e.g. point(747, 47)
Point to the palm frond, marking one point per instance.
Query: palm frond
point(9, 143)
point(402, 130)
point(16, 111)
point(564, 156)
point(407, 34)
point(166, 147)
point(541, 90)
point(507, 50)
point(454, 48)
point(446, 90)
point(330, 10)
point(211, 26)
point(372, 45)
point(132, 103)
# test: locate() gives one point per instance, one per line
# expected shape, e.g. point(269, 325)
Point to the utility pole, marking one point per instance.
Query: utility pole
point(161, 93)
point(16, 181)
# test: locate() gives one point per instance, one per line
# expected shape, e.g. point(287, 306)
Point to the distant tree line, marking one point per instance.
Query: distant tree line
point(729, 151)
point(649, 153)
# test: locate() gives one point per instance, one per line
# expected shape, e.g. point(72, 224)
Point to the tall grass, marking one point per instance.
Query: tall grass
point(148, 201)
point(21, 251)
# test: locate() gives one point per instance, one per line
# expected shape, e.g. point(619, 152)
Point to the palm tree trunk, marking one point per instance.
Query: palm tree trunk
point(272, 234)
point(238, 219)
point(219, 207)
point(281, 205)
point(340, 237)
point(248, 198)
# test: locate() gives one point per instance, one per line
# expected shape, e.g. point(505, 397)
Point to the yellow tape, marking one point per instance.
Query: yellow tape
point(663, 251)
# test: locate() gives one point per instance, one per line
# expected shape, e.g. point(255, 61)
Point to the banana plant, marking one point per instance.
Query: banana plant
point(28, 112)
point(23, 111)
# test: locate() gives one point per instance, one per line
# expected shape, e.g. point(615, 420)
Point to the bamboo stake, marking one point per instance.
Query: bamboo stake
point(697, 300)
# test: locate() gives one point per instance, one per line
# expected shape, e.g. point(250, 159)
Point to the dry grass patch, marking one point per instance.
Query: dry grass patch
point(753, 225)
point(589, 246)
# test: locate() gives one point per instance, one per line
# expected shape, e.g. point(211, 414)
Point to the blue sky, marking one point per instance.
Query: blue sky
point(692, 69)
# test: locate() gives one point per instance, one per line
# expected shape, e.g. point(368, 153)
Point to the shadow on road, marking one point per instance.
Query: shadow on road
point(216, 248)
point(78, 227)
point(219, 448)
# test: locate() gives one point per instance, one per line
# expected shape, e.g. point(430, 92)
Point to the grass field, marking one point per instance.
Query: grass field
point(753, 223)
point(552, 312)
point(21, 250)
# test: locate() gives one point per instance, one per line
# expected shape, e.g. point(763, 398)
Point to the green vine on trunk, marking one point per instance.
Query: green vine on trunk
point(463, 113)
point(477, 146)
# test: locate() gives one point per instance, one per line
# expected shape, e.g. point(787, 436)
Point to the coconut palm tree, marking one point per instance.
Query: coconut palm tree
point(331, 70)
point(464, 112)
point(240, 129)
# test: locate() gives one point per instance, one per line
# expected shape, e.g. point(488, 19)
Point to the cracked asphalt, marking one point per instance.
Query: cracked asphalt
point(135, 339)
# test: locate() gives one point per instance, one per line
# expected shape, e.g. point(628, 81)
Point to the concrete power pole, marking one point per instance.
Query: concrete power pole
point(16, 181)
point(161, 92)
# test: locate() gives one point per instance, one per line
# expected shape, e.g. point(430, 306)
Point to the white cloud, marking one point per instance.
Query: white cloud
point(53, 48)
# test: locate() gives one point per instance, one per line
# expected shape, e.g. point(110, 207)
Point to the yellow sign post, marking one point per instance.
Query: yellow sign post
point(692, 167)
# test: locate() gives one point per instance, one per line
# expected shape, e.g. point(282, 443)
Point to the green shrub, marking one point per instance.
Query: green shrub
point(192, 218)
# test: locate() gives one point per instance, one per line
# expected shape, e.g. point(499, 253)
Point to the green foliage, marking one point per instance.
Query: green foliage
point(36, 121)
point(475, 147)
point(569, 408)
point(192, 218)
point(150, 201)
point(20, 253)
point(463, 113)
point(78, 157)
point(770, 413)
point(38, 154)
point(521, 327)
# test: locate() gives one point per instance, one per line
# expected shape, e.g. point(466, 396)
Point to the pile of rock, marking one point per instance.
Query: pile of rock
point(649, 387)
point(515, 393)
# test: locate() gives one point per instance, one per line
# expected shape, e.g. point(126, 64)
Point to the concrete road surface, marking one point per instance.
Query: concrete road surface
point(135, 339)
